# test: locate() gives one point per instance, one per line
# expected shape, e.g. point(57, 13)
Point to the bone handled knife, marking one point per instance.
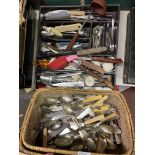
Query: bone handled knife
point(91, 51)
point(109, 60)
point(92, 66)
point(88, 71)
point(102, 118)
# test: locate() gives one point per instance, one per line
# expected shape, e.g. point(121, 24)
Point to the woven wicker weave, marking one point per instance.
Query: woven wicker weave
point(33, 115)
point(22, 4)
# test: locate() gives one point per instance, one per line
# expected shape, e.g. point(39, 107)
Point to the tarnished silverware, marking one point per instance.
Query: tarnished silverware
point(67, 108)
point(77, 147)
point(112, 145)
point(101, 145)
point(90, 144)
point(86, 112)
point(84, 134)
point(56, 125)
point(117, 133)
point(63, 141)
point(66, 98)
point(52, 100)
point(56, 132)
point(107, 128)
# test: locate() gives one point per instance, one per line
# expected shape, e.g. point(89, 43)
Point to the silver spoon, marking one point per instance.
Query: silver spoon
point(107, 128)
point(56, 125)
point(66, 98)
point(67, 108)
point(90, 144)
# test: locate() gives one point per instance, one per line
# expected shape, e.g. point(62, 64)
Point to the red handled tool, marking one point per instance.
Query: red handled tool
point(72, 42)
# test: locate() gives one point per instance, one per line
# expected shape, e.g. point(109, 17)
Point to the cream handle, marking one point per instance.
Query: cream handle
point(66, 28)
point(102, 118)
point(98, 103)
point(95, 119)
point(76, 13)
point(93, 98)
point(102, 109)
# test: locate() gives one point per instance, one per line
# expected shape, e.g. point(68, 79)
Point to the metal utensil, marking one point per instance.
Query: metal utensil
point(90, 144)
point(107, 128)
point(67, 108)
point(77, 105)
point(52, 100)
point(86, 112)
point(111, 144)
point(66, 98)
point(56, 132)
point(56, 125)
point(63, 141)
point(83, 134)
point(117, 133)
point(101, 145)
point(77, 147)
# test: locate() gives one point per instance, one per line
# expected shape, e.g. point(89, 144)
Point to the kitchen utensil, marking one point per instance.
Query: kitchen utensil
point(83, 134)
point(91, 51)
point(63, 141)
point(92, 73)
point(90, 144)
point(95, 119)
point(77, 147)
point(107, 128)
point(102, 118)
point(67, 108)
point(117, 133)
point(52, 100)
point(98, 103)
point(92, 66)
point(111, 144)
point(66, 98)
point(70, 84)
point(56, 132)
point(76, 13)
point(77, 105)
point(101, 145)
point(101, 109)
point(70, 27)
point(72, 42)
point(92, 98)
point(86, 112)
point(57, 15)
point(56, 125)
point(108, 60)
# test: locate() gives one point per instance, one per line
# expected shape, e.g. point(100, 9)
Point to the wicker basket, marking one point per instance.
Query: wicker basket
point(22, 4)
point(33, 115)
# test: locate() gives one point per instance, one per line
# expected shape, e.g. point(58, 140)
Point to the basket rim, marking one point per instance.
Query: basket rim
point(130, 151)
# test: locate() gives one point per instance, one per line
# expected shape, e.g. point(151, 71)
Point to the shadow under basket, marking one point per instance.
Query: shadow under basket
point(34, 114)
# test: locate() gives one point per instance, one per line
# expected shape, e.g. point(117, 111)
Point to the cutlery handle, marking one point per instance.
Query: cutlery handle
point(94, 98)
point(92, 66)
point(100, 102)
point(76, 13)
point(95, 119)
point(102, 118)
point(72, 42)
point(45, 137)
